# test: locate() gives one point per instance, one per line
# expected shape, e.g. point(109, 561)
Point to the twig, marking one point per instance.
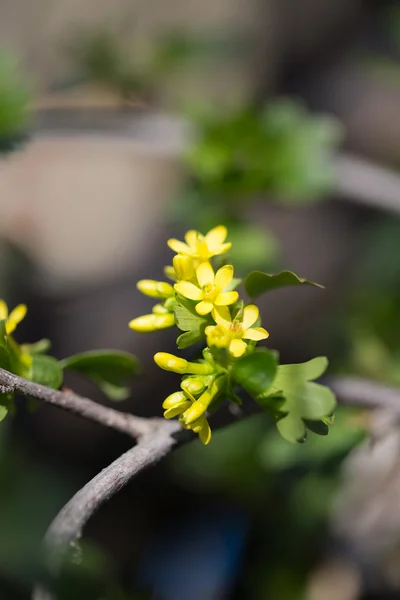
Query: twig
point(367, 183)
point(356, 391)
point(67, 527)
point(135, 427)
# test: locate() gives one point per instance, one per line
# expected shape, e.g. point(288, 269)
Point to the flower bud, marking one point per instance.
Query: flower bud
point(169, 272)
point(155, 289)
point(217, 336)
point(159, 309)
point(176, 410)
point(193, 385)
point(183, 266)
point(197, 409)
point(174, 399)
point(169, 362)
point(152, 322)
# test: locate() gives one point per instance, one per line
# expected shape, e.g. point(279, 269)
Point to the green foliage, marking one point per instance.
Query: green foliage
point(190, 322)
point(13, 105)
point(303, 398)
point(257, 283)
point(99, 58)
point(347, 432)
point(255, 372)
point(110, 370)
point(46, 370)
point(280, 149)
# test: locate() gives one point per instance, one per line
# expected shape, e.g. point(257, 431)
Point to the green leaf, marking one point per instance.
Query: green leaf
point(188, 338)
point(3, 335)
point(46, 370)
point(3, 412)
point(40, 347)
point(108, 369)
point(304, 400)
point(346, 432)
point(187, 320)
point(257, 282)
point(255, 372)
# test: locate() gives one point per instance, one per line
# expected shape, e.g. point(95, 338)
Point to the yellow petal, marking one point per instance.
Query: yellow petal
point(205, 433)
point(205, 273)
point(3, 310)
point(224, 277)
point(225, 298)
point(178, 246)
point(174, 399)
point(16, 317)
point(188, 290)
point(170, 413)
point(204, 307)
point(222, 316)
point(197, 425)
point(192, 237)
point(256, 334)
point(183, 266)
point(170, 272)
point(250, 315)
point(194, 413)
point(237, 348)
point(222, 248)
point(215, 237)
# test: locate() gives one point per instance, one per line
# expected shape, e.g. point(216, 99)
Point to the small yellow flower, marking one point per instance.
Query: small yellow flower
point(14, 317)
point(176, 404)
point(202, 428)
point(209, 289)
point(202, 247)
point(230, 334)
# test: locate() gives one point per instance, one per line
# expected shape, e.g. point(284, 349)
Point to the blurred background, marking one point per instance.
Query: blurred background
point(123, 123)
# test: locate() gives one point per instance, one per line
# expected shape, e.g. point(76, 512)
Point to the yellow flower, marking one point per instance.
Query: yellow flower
point(202, 247)
point(14, 317)
point(202, 428)
point(209, 289)
point(230, 334)
point(176, 404)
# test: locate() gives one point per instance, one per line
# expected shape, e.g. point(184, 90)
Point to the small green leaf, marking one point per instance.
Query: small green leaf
point(3, 412)
point(304, 400)
point(257, 282)
point(255, 372)
point(187, 320)
point(46, 370)
point(3, 335)
point(188, 338)
point(108, 369)
point(40, 347)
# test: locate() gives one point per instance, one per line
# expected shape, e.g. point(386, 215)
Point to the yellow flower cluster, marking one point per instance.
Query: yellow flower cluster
point(211, 294)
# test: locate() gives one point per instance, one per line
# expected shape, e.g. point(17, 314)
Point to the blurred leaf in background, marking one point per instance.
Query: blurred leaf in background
point(368, 323)
point(14, 97)
point(280, 150)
